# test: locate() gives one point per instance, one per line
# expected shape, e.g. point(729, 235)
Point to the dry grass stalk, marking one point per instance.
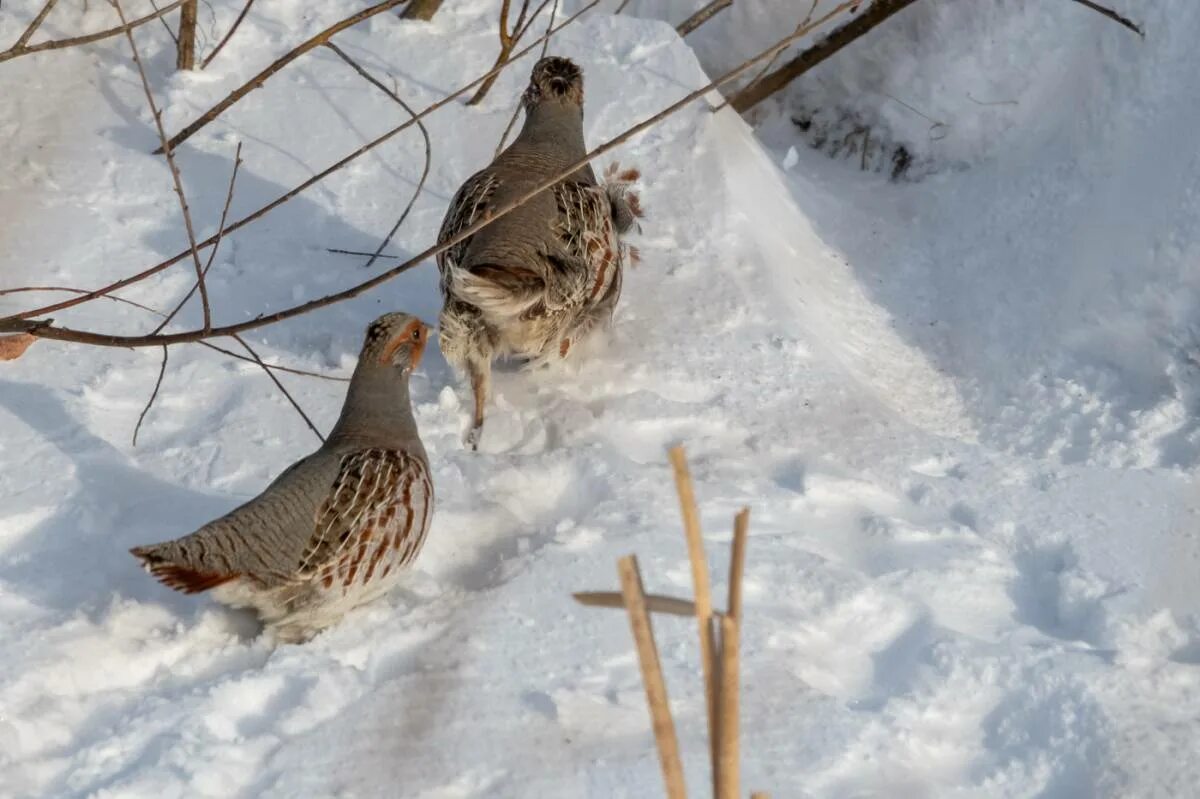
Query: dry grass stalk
point(655, 603)
point(61, 44)
point(727, 726)
point(695, 545)
point(652, 677)
point(185, 52)
point(737, 562)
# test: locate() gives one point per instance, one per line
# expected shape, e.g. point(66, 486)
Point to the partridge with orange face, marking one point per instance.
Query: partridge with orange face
point(337, 528)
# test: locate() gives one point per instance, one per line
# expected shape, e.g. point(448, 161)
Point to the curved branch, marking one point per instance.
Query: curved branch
point(43, 329)
point(59, 44)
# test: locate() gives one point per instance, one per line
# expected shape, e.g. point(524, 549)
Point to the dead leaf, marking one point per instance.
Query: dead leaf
point(13, 347)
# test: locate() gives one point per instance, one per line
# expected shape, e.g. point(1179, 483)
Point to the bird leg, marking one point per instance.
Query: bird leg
point(481, 378)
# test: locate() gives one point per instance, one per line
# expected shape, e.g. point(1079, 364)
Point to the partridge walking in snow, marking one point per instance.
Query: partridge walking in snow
point(536, 281)
point(337, 528)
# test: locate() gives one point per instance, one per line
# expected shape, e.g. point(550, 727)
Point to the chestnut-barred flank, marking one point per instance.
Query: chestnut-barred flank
point(337, 527)
point(554, 77)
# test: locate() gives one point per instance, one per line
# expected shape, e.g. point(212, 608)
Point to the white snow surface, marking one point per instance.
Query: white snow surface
point(963, 411)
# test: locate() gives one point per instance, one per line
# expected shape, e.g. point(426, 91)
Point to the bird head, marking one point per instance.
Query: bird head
point(554, 79)
point(395, 340)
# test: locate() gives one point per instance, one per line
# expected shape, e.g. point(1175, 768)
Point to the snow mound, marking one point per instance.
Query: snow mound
point(931, 395)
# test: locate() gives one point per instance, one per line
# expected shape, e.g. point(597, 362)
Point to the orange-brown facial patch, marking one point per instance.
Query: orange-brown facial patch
point(416, 334)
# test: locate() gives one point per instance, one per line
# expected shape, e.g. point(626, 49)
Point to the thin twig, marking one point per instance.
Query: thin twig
point(59, 44)
point(512, 120)
point(1113, 15)
point(165, 25)
point(703, 15)
point(727, 729)
point(21, 322)
point(339, 251)
point(162, 136)
point(283, 198)
point(695, 545)
point(737, 562)
point(280, 386)
point(162, 370)
point(655, 603)
point(277, 367)
point(507, 42)
point(424, 135)
point(237, 162)
point(35, 24)
point(276, 65)
point(652, 677)
point(228, 35)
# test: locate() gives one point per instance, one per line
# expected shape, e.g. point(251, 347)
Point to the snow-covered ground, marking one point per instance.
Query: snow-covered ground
point(963, 410)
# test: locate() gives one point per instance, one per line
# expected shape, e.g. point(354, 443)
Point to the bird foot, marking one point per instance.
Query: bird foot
point(471, 440)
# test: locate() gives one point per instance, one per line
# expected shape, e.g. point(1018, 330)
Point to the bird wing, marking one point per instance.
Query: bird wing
point(374, 518)
point(591, 254)
point(470, 203)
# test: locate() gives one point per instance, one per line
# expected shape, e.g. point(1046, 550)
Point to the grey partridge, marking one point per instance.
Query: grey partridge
point(539, 279)
point(335, 529)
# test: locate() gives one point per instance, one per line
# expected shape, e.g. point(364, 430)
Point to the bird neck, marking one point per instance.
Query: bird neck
point(553, 123)
point(377, 411)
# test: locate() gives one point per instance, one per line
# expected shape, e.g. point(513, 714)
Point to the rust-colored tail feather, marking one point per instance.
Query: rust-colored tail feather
point(181, 578)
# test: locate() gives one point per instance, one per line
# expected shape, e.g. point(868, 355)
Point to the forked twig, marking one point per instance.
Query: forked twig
point(695, 545)
point(237, 162)
point(275, 66)
point(652, 677)
point(74, 41)
point(512, 120)
point(34, 24)
point(162, 135)
point(424, 135)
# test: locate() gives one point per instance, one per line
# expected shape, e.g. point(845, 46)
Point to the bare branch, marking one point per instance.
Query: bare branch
point(545, 45)
point(228, 35)
point(703, 15)
point(754, 93)
point(59, 44)
point(162, 370)
point(12, 320)
point(258, 80)
point(21, 323)
point(162, 135)
point(1113, 15)
point(424, 134)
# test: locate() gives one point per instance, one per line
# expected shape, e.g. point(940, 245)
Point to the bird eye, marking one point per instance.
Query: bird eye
point(416, 334)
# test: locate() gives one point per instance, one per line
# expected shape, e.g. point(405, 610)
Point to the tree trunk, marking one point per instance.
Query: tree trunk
point(421, 9)
point(186, 54)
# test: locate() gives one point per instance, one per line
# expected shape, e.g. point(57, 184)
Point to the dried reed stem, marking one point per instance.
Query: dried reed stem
point(655, 603)
point(737, 562)
point(695, 545)
point(652, 677)
point(727, 727)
